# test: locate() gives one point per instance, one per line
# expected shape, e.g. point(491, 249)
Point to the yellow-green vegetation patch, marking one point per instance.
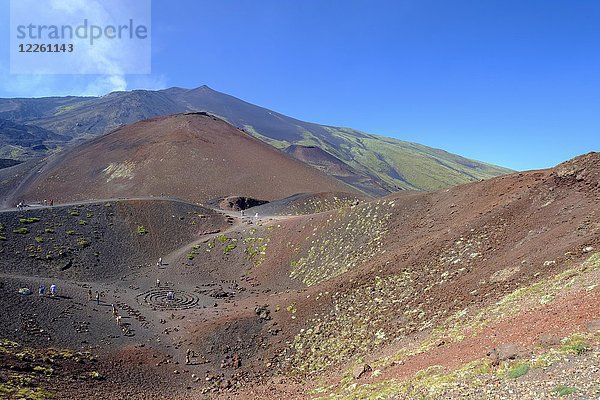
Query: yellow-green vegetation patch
point(348, 238)
point(255, 247)
point(36, 370)
point(462, 324)
point(358, 321)
point(575, 344)
point(318, 205)
point(465, 382)
point(122, 170)
point(363, 319)
point(28, 220)
point(563, 390)
point(518, 371)
point(141, 230)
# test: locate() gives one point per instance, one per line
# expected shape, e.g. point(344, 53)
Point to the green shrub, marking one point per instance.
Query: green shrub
point(74, 213)
point(39, 239)
point(71, 233)
point(82, 222)
point(222, 238)
point(518, 371)
point(228, 248)
point(575, 344)
point(96, 375)
point(1, 227)
point(22, 231)
point(28, 220)
point(43, 370)
point(562, 390)
point(49, 230)
point(141, 230)
point(190, 256)
point(83, 243)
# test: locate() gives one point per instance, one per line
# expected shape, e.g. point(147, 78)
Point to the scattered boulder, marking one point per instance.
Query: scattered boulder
point(220, 294)
point(593, 326)
point(506, 351)
point(236, 362)
point(263, 313)
point(548, 340)
point(67, 265)
point(360, 370)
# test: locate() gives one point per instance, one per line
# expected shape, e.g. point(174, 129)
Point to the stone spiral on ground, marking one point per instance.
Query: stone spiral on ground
point(157, 299)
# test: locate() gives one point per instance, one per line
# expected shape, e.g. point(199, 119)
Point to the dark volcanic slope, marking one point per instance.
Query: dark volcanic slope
point(378, 163)
point(193, 156)
point(333, 166)
point(98, 240)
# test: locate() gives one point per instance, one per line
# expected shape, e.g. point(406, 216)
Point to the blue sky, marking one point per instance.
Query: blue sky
point(515, 83)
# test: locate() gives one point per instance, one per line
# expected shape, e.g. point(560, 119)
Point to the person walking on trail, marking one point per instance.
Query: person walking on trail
point(90, 294)
point(51, 202)
point(97, 297)
point(53, 290)
point(159, 260)
point(188, 356)
point(114, 310)
point(157, 282)
point(41, 290)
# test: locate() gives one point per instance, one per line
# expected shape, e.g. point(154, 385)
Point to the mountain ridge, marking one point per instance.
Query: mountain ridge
point(392, 163)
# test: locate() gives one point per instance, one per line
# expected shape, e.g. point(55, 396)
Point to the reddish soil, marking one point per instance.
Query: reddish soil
point(196, 157)
point(506, 233)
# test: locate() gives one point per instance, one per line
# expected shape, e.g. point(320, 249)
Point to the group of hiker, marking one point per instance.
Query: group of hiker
point(95, 297)
point(21, 205)
point(42, 290)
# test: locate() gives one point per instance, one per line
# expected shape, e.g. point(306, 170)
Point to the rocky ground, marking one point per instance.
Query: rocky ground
point(488, 290)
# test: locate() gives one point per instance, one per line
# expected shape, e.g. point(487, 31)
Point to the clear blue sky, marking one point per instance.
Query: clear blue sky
point(515, 83)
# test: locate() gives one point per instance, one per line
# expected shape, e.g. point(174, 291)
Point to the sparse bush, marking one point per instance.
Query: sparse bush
point(71, 232)
point(49, 230)
point(39, 239)
point(107, 205)
point(74, 213)
point(28, 220)
point(562, 390)
point(228, 248)
point(2, 238)
point(575, 344)
point(141, 230)
point(1, 227)
point(190, 256)
point(518, 370)
point(96, 375)
point(222, 238)
point(82, 222)
point(43, 370)
point(21, 231)
point(83, 243)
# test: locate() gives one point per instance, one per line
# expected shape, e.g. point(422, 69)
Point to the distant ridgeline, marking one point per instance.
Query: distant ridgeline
point(374, 165)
